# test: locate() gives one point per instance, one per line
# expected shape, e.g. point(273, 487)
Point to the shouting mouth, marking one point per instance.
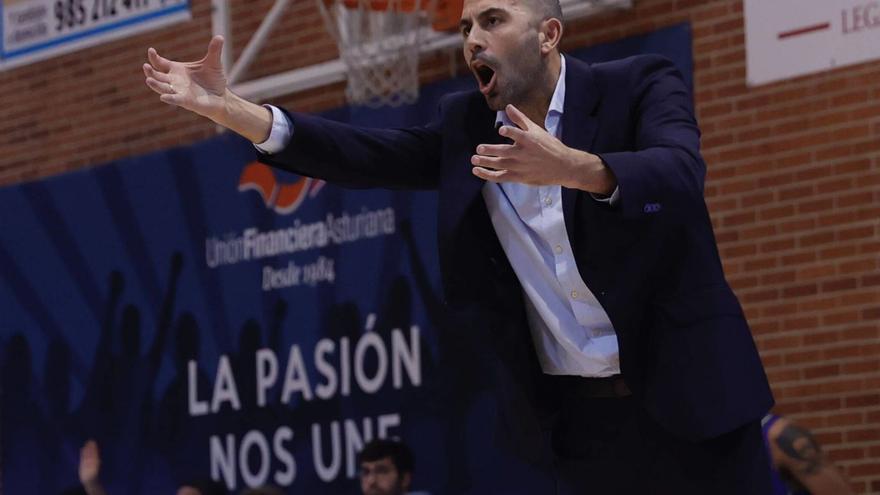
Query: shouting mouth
point(485, 75)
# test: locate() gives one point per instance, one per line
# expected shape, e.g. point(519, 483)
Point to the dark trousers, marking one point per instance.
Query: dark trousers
point(610, 446)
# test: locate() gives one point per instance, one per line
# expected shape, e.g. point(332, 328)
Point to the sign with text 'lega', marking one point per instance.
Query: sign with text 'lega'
point(790, 38)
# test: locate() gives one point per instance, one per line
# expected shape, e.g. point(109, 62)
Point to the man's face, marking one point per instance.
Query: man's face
point(381, 478)
point(502, 49)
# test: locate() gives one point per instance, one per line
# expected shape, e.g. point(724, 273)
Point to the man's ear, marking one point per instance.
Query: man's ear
point(405, 481)
point(550, 34)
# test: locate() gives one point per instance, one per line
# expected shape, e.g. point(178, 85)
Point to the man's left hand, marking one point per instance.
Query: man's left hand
point(537, 158)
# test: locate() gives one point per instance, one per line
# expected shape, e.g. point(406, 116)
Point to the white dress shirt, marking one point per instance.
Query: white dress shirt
point(572, 332)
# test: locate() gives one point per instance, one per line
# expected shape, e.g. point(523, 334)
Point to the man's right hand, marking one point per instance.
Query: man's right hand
point(201, 87)
point(196, 86)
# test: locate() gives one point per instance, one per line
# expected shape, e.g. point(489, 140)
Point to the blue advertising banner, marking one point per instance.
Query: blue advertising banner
point(200, 315)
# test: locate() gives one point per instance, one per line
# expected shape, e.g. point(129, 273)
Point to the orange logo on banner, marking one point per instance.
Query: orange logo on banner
point(283, 198)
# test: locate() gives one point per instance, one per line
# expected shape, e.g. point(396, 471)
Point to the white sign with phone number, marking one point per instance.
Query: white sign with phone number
point(34, 30)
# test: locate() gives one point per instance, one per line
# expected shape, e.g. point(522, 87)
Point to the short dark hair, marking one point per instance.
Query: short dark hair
point(548, 9)
point(380, 448)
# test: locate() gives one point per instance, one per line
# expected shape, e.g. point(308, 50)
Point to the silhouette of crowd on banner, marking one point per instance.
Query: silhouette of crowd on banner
point(149, 441)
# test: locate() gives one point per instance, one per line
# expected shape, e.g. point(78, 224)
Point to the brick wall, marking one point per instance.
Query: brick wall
point(793, 184)
point(794, 191)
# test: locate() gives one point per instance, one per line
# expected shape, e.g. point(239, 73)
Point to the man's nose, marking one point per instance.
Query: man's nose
point(475, 42)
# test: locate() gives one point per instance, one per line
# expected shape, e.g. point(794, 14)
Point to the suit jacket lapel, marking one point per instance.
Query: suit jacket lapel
point(579, 122)
point(464, 186)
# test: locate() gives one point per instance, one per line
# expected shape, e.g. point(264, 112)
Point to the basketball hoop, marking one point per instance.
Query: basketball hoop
point(379, 42)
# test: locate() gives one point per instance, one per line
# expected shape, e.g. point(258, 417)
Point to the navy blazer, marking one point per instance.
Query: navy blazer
point(651, 260)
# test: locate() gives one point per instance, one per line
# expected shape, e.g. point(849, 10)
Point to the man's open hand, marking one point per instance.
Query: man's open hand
point(537, 158)
point(196, 86)
point(201, 87)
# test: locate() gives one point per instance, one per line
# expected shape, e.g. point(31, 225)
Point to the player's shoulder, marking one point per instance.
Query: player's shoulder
point(632, 77)
point(634, 69)
point(647, 62)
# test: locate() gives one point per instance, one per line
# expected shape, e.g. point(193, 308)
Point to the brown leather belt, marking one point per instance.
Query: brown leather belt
point(594, 388)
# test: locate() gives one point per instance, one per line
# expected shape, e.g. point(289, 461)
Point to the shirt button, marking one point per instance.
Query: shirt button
point(548, 201)
point(558, 249)
point(574, 294)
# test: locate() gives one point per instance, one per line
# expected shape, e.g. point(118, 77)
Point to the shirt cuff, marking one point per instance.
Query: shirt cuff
point(279, 136)
point(611, 200)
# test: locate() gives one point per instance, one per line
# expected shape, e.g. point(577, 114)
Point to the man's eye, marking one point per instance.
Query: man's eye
point(465, 32)
point(493, 21)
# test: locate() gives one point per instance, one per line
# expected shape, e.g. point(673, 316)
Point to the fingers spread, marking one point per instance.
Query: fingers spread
point(149, 71)
point(486, 161)
point(514, 133)
point(215, 48)
point(502, 150)
point(160, 87)
point(490, 175)
point(158, 61)
point(518, 117)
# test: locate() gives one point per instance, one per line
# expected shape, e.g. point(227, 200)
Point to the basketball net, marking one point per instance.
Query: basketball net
point(379, 42)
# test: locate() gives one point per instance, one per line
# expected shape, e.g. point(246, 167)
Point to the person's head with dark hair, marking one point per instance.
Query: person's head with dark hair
point(512, 48)
point(386, 467)
point(203, 487)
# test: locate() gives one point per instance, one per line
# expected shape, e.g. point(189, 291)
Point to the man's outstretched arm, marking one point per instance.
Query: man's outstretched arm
point(200, 87)
point(343, 154)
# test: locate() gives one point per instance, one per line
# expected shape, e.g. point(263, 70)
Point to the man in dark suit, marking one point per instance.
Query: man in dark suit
point(573, 233)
